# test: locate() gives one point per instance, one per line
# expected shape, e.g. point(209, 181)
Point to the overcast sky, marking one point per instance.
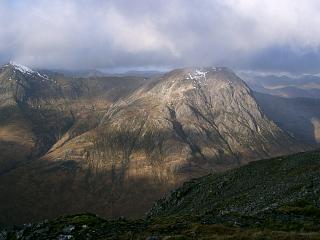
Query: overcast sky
point(273, 35)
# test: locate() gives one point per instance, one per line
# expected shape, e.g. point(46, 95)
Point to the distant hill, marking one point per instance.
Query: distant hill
point(300, 117)
point(284, 85)
point(99, 73)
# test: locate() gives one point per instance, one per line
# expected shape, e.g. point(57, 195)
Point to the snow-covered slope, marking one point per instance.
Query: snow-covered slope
point(25, 70)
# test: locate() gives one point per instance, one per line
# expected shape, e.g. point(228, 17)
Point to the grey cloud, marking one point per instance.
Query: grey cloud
point(165, 33)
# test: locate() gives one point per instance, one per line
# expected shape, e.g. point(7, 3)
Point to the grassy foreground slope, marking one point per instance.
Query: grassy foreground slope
point(268, 199)
point(256, 188)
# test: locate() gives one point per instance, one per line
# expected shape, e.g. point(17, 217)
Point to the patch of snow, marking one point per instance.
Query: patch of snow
point(22, 68)
point(259, 130)
point(198, 77)
point(201, 73)
point(43, 76)
point(26, 70)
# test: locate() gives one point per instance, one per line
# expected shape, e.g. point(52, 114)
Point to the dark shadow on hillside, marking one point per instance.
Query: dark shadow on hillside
point(292, 114)
point(45, 190)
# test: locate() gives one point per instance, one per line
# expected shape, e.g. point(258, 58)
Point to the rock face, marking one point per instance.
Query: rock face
point(117, 152)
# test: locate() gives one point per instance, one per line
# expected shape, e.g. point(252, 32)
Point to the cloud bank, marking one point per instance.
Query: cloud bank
point(83, 34)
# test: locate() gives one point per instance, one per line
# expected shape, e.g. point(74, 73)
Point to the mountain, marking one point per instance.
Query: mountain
point(32, 113)
point(38, 109)
point(268, 199)
point(300, 117)
point(114, 145)
point(284, 85)
point(209, 115)
point(73, 73)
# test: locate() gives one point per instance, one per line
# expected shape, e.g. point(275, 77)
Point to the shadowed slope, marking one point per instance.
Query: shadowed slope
point(268, 199)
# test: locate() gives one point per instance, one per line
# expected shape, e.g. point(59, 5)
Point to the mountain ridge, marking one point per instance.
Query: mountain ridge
point(111, 140)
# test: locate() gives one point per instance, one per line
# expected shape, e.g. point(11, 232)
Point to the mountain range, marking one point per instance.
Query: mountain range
point(112, 145)
point(284, 84)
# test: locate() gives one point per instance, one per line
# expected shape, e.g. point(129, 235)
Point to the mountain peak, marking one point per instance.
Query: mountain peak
point(21, 68)
point(24, 70)
point(203, 73)
point(179, 83)
point(199, 73)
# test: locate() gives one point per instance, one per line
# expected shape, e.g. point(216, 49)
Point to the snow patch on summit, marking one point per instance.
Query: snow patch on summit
point(25, 70)
point(198, 78)
point(200, 73)
point(21, 68)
